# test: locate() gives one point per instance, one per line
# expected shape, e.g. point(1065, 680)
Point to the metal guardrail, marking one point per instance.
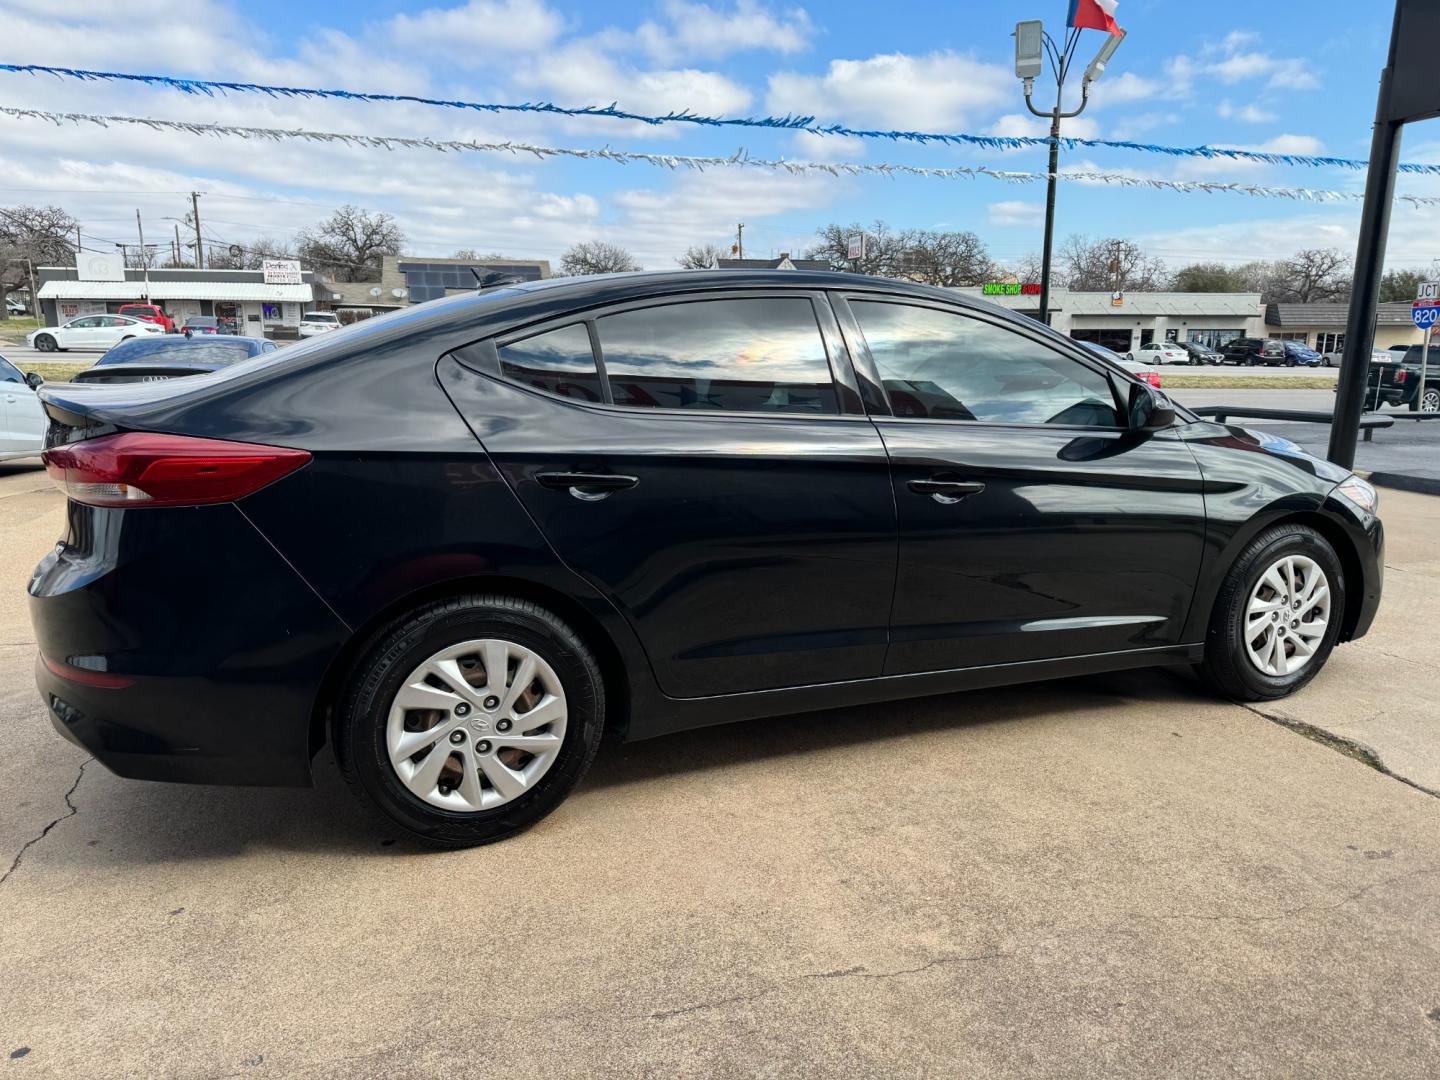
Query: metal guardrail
point(1368, 421)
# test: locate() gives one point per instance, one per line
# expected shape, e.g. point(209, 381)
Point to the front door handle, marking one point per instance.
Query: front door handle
point(588, 487)
point(946, 492)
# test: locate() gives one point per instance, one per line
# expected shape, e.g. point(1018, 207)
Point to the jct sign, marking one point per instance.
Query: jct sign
point(1428, 290)
point(281, 272)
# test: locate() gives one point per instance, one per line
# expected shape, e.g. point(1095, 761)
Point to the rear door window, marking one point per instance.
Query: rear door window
point(757, 354)
point(559, 362)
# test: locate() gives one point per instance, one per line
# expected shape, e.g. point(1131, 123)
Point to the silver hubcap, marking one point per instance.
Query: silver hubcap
point(1287, 615)
point(1430, 402)
point(476, 725)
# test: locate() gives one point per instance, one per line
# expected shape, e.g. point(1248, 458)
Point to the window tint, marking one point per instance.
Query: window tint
point(756, 355)
point(86, 323)
point(9, 372)
point(557, 361)
point(947, 366)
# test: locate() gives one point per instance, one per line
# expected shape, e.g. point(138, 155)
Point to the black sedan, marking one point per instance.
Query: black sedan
point(158, 359)
point(463, 541)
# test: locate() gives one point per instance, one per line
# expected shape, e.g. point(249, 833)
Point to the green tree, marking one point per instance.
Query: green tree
point(1209, 278)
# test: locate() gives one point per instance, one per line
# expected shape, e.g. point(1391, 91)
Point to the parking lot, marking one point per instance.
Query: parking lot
point(1114, 875)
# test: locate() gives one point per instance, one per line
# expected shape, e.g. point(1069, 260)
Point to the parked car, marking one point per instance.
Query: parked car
point(15, 307)
point(1298, 354)
point(1202, 354)
point(1134, 367)
point(318, 322)
point(1396, 380)
point(1252, 351)
point(200, 324)
point(156, 359)
point(90, 332)
point(1336, 356)
point(780, 491)
point(22, 419)
point(149, 313)
point(1162, 352)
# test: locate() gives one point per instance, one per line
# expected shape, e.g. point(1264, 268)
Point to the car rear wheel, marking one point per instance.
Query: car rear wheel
point(1277, 616)
point(470, 719)
point(1430, 400)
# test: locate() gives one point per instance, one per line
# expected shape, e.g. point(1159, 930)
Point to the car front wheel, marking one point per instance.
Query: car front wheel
point(470, 719)
point(1430, 400)
point(1276, 617)
point(46, 343)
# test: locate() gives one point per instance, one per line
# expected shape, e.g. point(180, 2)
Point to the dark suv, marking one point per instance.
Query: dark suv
point(1250, 351)
point(464, 540)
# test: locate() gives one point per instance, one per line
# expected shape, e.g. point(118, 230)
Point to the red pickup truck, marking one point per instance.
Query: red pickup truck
point(149, 313)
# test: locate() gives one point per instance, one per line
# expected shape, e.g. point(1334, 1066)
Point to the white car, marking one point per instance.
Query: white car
point(22, 420)
point(90, 332)
point(1163, 352)
point(318, 322)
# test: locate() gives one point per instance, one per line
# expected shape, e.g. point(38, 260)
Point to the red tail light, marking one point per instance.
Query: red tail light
point(166, 470)
point(1153, 378)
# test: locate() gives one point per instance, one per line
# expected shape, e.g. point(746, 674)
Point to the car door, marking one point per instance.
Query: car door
point(78, 333)
point(22, 420)
point(111, 329)
point(705, 462)
point(1033, 524)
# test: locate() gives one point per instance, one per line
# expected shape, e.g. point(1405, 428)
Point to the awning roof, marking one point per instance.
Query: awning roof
point(177, 290)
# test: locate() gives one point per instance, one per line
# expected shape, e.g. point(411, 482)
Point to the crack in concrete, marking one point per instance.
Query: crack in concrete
point(71, 811)
point(1351, 748)
point(668, 1014)
point(860, 972)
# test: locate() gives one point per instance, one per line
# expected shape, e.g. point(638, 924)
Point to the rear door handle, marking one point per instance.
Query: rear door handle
point(946, 492)
point(588, 487)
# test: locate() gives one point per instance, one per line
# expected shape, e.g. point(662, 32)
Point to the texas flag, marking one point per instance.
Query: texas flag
point(1094, 15)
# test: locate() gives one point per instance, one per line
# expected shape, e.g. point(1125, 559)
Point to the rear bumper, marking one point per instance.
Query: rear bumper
point(180, 646)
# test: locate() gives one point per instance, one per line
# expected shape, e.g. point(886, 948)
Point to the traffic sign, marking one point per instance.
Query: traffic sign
point(1425, 313)
point(1428, 290)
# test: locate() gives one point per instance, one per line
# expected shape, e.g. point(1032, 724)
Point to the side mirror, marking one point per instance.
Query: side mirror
point(34, 380)
point(1150, 410)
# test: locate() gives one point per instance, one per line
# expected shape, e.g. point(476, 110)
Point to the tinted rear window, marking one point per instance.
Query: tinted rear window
point(744, 355)
point(557, 361)
point(161, 350)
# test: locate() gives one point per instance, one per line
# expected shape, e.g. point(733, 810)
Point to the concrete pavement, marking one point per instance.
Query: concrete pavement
point(1115, 876)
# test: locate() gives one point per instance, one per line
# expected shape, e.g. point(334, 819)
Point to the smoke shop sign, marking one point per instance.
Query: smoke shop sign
point(1011, 288)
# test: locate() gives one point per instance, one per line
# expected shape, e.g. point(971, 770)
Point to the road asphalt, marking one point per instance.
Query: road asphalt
point(1116, 876)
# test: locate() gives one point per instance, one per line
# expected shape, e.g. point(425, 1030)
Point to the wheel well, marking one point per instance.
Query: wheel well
point(612, 668)
point(1349, 565)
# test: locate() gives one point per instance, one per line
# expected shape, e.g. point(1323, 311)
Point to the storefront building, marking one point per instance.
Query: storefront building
point(1125, 321)
point(258, 303)
point(1322, 326)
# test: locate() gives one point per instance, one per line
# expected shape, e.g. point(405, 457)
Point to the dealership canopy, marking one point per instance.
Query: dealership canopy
point(177, 290)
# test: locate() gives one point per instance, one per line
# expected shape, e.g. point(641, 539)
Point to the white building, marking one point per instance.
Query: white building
point(1125, 321)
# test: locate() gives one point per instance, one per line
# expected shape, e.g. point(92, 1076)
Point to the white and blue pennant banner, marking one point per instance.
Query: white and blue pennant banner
point(740, 159)
point(784, 123)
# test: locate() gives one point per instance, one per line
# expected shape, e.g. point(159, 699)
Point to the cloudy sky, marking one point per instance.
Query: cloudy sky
point(1226, 73)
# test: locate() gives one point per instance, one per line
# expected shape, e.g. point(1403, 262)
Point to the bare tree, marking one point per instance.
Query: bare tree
point(597, 257)
point(253, 254)
point(882, 248)
point(700, 257)
point(350, 243)
point(32, 236)
point(1315, 275)
point(1029, 267)
point(947, 259)
point(1110, 265)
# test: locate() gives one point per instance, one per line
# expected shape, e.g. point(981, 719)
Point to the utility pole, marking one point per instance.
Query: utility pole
point(1032, 45)
point(178, 255)
point(740, 240)
point(144, 257)
point(79, 247)
point(199, 251)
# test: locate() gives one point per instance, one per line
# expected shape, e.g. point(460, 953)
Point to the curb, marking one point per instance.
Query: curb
point(1423, 485)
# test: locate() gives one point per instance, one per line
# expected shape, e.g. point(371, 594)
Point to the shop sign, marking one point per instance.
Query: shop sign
point(281, 272)
point(1010, 288)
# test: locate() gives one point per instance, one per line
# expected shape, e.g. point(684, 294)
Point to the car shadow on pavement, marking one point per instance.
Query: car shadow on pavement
point(129, 822)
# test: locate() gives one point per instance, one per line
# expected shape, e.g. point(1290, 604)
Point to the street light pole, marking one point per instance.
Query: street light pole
point(1030, 39)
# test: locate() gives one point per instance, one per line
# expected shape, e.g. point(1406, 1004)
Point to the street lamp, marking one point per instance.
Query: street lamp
point(1032, 45)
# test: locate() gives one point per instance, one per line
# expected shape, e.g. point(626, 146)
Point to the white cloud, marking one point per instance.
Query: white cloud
point(1250, 114)
point(935, 92)
point(1019, 125)
point(1127, 86)
point(699, 30)
point(1015, 212)
point(812, 147)
point(581, 73)
point(1233, 61)
point(476, 32)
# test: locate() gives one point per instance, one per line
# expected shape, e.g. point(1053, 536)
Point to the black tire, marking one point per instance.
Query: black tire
point(1227, 668)
point(45, 343)
point(396, 650)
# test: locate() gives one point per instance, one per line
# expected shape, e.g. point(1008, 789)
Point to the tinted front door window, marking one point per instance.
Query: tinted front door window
point(558, 361)
point(946, 366)
point(751, 355)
